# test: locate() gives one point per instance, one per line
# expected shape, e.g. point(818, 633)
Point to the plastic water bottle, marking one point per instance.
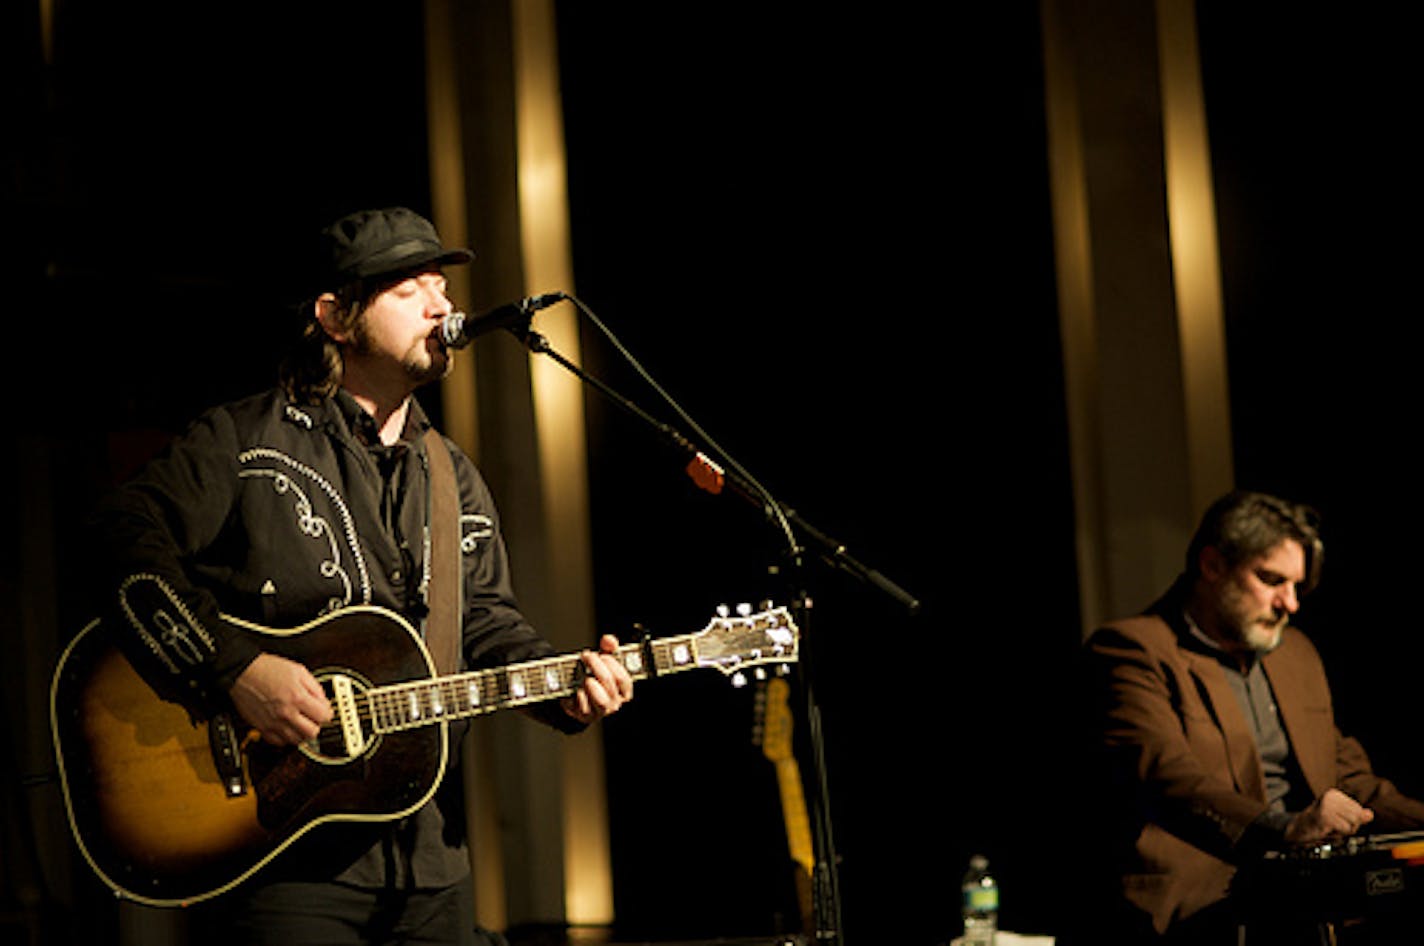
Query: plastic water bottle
point(981, 903)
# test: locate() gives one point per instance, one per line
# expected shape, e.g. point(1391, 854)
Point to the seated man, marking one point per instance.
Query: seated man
point(1215, 723)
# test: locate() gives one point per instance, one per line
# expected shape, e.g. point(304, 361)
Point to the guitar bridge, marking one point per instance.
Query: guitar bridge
point(347, 714)
point(227, 754)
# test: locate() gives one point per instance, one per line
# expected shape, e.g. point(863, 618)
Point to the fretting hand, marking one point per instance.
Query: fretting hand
point(606, 684)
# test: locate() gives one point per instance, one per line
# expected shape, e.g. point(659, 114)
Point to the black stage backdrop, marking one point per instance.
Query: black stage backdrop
point(827, 236)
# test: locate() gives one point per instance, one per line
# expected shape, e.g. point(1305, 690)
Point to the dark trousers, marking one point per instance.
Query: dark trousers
point(291, 913)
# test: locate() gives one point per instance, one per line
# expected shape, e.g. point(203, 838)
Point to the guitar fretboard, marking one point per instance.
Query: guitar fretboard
point(729, 644)
point(420, 703)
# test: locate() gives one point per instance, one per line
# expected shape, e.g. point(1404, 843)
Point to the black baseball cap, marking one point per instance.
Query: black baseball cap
point(372, 243)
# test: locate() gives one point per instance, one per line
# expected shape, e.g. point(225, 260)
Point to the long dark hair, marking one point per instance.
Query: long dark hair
point(313, 367)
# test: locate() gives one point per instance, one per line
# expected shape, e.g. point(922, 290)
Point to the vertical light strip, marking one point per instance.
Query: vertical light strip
point(47, 31)
point(559, 414)
point(1073, 261)
point(461, 420)
point(448, 200)
point(1196, 270)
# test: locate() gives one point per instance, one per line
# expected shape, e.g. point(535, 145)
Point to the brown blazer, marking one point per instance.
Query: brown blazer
point(1185, 780)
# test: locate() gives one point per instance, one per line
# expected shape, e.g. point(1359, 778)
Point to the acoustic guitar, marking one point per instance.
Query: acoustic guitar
point(170, 809)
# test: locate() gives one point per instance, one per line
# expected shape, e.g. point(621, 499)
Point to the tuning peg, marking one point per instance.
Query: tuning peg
point(744, 610)
point(739, 679)
point(765, 605)
point(723, 611)
point(759, 673)
point(783, 670)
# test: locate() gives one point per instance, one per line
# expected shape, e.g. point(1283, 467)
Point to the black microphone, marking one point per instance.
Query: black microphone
point(458, 329)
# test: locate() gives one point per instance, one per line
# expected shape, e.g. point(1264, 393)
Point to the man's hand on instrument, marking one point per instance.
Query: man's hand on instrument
point(606, 684)
point(1332, 815)
point(281, 700)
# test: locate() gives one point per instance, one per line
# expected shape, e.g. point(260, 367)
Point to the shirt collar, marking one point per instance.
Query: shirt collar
point(363, 426)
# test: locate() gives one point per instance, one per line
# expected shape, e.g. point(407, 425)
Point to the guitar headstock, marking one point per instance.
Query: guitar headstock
point(735, 642)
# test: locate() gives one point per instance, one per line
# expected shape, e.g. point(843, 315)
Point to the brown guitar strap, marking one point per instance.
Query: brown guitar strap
point(443, 572)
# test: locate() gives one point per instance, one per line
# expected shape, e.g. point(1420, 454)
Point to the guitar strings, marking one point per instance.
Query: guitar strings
point(411, 703)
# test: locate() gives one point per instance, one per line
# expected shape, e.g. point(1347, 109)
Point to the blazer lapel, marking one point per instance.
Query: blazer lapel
point(1308, 723)
point(1246, 770)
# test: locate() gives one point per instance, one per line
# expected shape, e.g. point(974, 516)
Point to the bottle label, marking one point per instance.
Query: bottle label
point(981, 899)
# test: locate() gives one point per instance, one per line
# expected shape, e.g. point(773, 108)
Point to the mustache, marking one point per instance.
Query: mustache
point(1274, 621)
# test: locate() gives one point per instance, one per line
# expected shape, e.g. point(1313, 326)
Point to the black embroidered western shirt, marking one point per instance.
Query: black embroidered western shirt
point(278, 513)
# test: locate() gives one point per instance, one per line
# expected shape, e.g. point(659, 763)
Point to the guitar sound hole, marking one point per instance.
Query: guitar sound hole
point(328, 746)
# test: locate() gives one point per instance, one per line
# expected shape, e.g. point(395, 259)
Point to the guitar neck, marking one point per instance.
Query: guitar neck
point(793, 809)
point(425, 702)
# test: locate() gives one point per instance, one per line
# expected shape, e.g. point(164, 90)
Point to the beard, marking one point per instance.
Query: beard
point(1240, 622)
point(425, 360)
point(424, 363)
